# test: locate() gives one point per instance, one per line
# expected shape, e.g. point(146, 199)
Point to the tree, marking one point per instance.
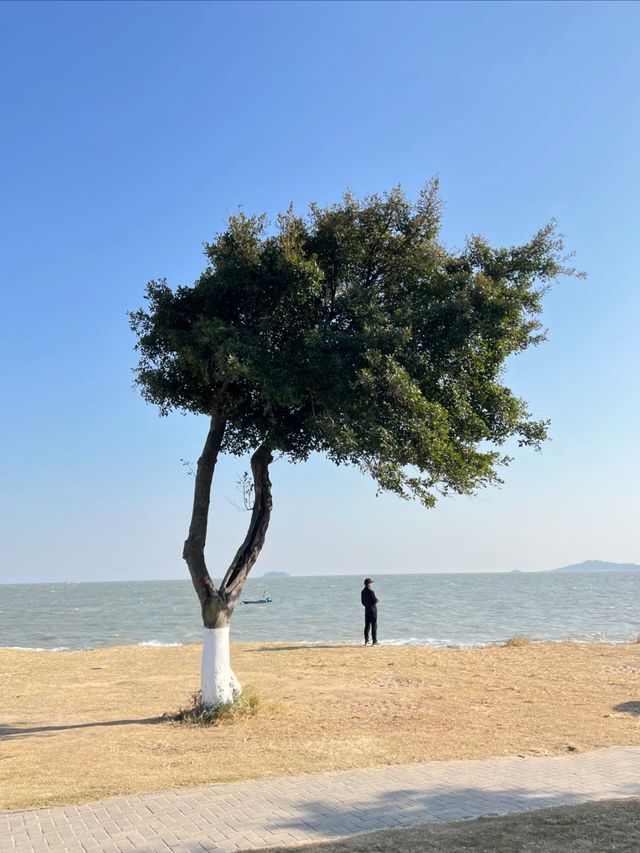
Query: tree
point(354, 332)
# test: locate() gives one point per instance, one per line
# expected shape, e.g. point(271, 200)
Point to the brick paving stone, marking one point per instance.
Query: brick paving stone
point(250, 815)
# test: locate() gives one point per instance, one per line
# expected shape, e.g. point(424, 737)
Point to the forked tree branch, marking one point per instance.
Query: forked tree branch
point(193, 551)
point(250, 549)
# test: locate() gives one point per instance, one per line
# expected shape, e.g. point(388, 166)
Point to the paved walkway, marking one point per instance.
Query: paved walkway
point(292, 810)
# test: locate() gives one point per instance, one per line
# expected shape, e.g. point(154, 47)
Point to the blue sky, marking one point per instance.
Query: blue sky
point(132, 130)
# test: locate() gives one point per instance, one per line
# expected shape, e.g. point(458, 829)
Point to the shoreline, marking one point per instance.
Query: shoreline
point(517, 639)
point(99, 714)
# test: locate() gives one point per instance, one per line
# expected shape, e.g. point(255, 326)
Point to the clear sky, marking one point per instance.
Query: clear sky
point(132, 130)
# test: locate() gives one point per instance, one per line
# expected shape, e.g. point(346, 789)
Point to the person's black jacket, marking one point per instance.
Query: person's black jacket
point(368, 598)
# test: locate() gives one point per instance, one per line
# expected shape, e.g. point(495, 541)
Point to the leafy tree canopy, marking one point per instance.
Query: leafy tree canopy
point(355, 332)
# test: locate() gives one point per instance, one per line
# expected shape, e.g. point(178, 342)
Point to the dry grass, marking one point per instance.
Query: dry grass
point(86, 725)
point(612, 826)
point(198, 714)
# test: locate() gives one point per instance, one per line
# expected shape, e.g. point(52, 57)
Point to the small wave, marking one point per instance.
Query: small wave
point(434, 643)
point(498, 641)
point(38, 649)
point(158, 644)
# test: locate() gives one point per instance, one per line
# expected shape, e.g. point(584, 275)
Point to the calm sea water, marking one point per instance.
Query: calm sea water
point(435, 610)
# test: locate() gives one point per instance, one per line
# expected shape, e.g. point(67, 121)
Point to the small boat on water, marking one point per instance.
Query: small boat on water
point(265, 599)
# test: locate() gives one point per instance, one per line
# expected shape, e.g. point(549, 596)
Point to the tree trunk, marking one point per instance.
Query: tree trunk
point(219, 684)
point(193, 551)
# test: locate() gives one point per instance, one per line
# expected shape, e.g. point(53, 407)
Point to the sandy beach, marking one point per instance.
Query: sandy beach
point(79, 726)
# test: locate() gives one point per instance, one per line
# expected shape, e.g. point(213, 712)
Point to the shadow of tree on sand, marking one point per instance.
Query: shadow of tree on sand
point(632, 708)
point(17, 730)
point(301, 647)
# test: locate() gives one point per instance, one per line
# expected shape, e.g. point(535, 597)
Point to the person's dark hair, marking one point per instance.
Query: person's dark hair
point(367, 581)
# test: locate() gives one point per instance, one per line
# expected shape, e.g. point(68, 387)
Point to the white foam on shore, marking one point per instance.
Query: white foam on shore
point(425, 642)
point(498, 641)
point(431, 642)
point(37, 649)
point(147, 643)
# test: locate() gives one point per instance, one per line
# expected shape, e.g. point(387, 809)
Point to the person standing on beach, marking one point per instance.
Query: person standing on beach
point(370, 604)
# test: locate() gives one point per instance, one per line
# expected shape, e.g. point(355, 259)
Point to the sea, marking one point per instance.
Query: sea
point(455, 610)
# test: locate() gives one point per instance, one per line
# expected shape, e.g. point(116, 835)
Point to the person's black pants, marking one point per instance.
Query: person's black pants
point(371, 622)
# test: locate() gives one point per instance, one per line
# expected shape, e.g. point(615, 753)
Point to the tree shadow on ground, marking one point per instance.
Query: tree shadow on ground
point(17, 731)
point(632, 708)
point(310, 647)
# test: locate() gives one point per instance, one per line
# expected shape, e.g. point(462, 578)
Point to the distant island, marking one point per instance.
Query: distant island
point(276, 575)
point(599, 566)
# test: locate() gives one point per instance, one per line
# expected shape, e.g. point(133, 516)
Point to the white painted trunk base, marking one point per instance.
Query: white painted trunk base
point(218, 681)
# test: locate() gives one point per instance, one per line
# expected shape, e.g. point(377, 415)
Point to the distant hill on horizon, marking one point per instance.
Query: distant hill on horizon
point(276, 575)
point(598, 566)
